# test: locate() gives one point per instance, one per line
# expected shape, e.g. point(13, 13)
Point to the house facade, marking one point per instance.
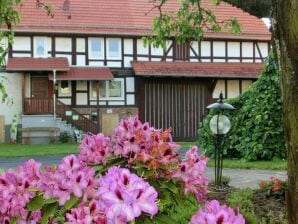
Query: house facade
point(88, 66)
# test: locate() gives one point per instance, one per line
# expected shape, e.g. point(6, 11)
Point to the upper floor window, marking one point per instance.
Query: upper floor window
point(95, 48)
point(114, 47)
point(40, 47)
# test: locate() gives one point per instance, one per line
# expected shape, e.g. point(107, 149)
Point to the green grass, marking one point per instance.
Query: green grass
point(22, 150)
point(276, 164)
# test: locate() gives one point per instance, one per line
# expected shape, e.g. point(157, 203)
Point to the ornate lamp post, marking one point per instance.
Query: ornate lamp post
point(220, 125)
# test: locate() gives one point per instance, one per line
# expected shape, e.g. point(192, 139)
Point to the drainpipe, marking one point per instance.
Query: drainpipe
point(54, 93)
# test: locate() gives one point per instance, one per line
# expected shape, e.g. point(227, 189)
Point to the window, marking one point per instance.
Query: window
point(65, 87)
point(101, 90)
point(40, 47)
point(109, 90)
point(95, 48)
point(114, 48)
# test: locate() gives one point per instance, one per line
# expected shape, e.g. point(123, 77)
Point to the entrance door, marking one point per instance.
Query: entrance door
point(40, 102)
point(39, 87)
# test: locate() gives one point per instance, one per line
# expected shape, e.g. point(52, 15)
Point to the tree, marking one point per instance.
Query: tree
point(189, 23)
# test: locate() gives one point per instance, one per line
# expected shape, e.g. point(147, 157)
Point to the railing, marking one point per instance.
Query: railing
point(73, 117)
point(38, 105)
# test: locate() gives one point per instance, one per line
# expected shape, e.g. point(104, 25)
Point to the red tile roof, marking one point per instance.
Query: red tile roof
point(37, 64)
point(196, 69)
point(84, 73)
point(123, 17)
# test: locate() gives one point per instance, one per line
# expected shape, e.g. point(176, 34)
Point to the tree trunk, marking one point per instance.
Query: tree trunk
point(286, 44)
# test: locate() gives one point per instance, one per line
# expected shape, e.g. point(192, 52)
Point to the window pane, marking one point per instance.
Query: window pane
point(115, 89)
point(102, 89)
point(65, 87)
point(95, 48)
point(40, 47)
point(114, 49)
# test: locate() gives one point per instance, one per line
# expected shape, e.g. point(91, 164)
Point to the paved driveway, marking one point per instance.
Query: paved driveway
point(239, 177)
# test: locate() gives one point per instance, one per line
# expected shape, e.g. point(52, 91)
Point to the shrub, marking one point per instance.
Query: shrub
point(133, 176)
point(257, 131)
point(64, 137)
point(274, 187)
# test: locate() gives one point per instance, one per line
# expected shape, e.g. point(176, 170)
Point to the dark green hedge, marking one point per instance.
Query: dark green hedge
point(257, 130)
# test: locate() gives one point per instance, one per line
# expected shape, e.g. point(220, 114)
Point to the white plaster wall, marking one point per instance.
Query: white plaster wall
point(205, 48)
point(68, 56)
point(219, 49)
point(156, 59)
point(128, 46)
point(264, 49)
point(65, 101)
point(233, 49)
point(219, 88)
point(81, 60)
point(63, 44)
point(22, 44)
point(130, 84)
point(233, 88)
point(27, 85)
point(130, 99)
point(20, 55)
point(114, 64)
point(247, 51)
point(117, 103)
point(143, 59)
point(140, 47)
point(81, 45)
point(82, 99)
point(168, 44)
point(195, 46)
point(13, 86)
point(81, 85)
point(127, 61)
point(96, 63)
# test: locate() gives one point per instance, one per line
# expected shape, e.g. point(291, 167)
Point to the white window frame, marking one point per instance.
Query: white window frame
point(101, 53)
point(45, 55)
point(115, 57)
point(107, 97)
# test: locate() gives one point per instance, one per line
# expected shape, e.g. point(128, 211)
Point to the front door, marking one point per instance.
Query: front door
point(39, 87)
point(40, 101)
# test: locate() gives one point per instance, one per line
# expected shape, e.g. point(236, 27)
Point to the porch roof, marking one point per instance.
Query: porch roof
point(196, 69)
point(84, 73)
point(37, 64)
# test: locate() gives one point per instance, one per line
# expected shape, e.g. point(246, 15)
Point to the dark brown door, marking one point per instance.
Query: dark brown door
point(176, 103)
point(39, 87)
point(40, 101)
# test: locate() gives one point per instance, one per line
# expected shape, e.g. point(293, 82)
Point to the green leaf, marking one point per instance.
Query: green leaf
point(36, 203)
point(72, 202)
point(49, 212)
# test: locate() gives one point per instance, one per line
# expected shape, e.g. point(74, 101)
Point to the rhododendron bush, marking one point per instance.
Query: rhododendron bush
point(134, 176)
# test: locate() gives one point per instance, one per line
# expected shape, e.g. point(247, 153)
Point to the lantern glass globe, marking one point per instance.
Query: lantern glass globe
point(220, 125)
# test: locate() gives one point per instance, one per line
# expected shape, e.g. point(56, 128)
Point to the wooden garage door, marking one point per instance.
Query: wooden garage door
point(175, 103)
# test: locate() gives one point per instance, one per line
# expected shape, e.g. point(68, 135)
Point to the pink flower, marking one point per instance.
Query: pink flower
point(215, 213)
point(124, 196)
point(191, 173)
point(95, 149)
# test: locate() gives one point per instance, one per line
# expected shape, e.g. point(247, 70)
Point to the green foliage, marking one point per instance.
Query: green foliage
point(257, 131)
point(64, 137)
point(242, 198)
point(187, 24)
point(274, 187)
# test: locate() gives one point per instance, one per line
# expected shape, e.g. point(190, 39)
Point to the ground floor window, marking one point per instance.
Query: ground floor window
point(108, 90)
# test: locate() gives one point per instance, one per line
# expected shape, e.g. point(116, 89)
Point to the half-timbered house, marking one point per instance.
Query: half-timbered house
point(88, 66)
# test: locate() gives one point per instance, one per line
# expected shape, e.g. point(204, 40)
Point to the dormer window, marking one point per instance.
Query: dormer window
point(95, 48)
point(40, 47)
point(114, 47)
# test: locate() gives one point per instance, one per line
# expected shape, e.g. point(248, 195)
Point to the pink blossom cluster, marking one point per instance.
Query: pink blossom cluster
point(141, 143)
point(16, 190)
point(86, 214)
point(191, 173)
point(95, 149)
point(124, 196)
point(72, 176)
point(215, 213)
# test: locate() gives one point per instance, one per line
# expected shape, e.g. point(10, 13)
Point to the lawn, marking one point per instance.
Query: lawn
point(22, 150)
point(19, 150)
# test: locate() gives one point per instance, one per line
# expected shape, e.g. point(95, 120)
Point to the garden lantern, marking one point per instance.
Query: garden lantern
point(219, 125)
